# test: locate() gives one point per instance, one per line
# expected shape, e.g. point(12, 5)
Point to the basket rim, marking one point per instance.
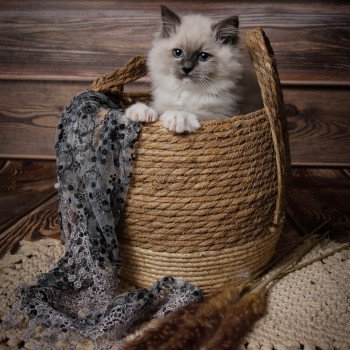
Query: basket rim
point(234, 119)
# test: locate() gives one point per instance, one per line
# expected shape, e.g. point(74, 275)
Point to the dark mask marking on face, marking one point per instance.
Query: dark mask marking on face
point(189, 62)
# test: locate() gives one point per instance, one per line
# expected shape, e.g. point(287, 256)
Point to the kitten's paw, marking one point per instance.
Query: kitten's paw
point(180, 121)
point(139, 112)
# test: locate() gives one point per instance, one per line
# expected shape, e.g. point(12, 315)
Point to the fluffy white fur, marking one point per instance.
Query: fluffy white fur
point(209, 91)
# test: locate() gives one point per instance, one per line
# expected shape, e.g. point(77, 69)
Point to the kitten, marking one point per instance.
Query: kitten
point(194, 69)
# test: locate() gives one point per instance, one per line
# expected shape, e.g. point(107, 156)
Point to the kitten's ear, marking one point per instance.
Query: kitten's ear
point(170, 21)
point(227, 30)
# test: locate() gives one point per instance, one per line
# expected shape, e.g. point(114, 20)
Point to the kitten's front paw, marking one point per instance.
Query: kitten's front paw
point(180, 121)
point(139, 112)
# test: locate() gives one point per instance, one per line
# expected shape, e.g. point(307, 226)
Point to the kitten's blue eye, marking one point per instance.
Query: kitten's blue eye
point(177, 53)
point(204, 56)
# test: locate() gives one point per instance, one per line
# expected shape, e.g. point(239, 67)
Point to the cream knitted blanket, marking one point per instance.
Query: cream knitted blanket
point(307, 309)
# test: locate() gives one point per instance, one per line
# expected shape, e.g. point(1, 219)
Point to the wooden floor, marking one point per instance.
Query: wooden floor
point(28, 202)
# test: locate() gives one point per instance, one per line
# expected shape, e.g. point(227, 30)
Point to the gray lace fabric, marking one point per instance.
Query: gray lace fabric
point(95, 151)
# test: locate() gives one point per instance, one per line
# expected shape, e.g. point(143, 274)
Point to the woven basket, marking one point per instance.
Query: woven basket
point(209, 206)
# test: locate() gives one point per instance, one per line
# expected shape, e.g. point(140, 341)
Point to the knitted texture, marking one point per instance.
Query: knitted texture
point(309, 307)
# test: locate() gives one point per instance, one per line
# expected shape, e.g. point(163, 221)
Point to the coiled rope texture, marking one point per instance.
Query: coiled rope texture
point(209, 206)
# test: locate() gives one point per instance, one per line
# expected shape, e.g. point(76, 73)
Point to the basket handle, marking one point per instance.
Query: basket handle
point(264, 64)
point(113, 83)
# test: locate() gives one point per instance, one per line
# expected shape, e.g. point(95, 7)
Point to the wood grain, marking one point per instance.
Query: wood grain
point(40, 223)
point(24, 185)
point(29, 115)
point(318, 121)
point(319, 194)
point(319, 126)
point(80, 40)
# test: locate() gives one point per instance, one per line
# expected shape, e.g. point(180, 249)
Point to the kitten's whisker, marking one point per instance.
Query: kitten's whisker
point(219, 85)
point(207, 84)
point(212, 85)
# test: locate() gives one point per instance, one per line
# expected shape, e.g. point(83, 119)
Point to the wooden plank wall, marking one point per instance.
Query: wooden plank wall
point(51, 50)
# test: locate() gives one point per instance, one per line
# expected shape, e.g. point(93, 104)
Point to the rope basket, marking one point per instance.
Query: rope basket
point(207, 207)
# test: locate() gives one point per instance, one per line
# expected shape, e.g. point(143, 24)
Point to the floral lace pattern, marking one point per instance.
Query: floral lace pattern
point(95, 150)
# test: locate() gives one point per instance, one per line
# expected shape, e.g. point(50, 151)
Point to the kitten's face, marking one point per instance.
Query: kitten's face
point(194, 50)
point(192, 59)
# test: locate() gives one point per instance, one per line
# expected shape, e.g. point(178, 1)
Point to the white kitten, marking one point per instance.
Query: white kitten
point(194, 69)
